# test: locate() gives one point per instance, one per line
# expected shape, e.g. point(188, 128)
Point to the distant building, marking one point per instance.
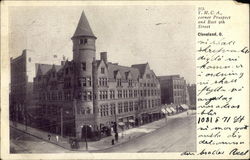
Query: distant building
point(85, 96)
point(192, 94)
point(173, 89)
point(23, 71)
point(21, 87)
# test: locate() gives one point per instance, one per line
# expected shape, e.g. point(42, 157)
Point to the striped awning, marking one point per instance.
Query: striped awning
point(172, 109)
point(184, 106)
point(169, 110)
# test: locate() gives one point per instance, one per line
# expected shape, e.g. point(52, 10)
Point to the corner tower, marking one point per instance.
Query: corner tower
point(83, 58)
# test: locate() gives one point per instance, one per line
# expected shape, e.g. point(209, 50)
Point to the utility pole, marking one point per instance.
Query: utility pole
point(25, 116)
point(86, 142)
point(61, 109)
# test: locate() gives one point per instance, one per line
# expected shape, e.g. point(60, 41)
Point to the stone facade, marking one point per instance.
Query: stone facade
point(89, 96)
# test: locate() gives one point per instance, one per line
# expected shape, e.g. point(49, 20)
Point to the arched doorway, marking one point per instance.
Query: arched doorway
point(86, 132)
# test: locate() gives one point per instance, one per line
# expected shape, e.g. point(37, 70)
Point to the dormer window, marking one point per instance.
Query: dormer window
point(102, 70)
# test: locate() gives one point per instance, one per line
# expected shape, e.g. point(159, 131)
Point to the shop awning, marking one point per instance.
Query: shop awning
point(121, 124)
point(172, 109)
point(163, 110)
point(131, 121)
point(169, 110)
point(184, 106)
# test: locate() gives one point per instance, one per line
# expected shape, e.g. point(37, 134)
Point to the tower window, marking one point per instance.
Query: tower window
point(83, 41)
point(84, 66)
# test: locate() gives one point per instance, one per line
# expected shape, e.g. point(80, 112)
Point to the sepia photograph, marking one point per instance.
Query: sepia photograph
point(102, 79)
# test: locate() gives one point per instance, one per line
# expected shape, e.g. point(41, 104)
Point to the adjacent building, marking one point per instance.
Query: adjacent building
point(192, 94)
point(173, 90)
point(21, 86)
point(23, 70)
point(84, 97)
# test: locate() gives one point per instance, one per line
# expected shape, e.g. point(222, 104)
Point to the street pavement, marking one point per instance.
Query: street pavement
point(25, 143)
point(175, 135)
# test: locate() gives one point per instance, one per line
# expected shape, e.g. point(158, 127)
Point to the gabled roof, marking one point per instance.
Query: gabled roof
point(114, 68)
point(42, 69)
point(141, 68)
point(83, 27)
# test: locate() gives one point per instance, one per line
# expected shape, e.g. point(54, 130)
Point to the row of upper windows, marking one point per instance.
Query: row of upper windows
point(152, 92)
point(127, 107)
point(120, 94)
point(103, 82)
point(144, 104)
point(67, 95)
point(103, 95)
point(147, 84)
point(179, 86)
point(179, 93)
point(106, 110)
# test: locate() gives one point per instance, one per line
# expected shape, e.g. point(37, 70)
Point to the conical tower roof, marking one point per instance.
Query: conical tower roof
point(83, 28)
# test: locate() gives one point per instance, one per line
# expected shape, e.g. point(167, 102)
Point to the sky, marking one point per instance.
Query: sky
point(163, 36)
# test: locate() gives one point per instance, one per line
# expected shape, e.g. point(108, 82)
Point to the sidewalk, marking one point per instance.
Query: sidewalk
point(130, 134)
point(63, 142)
point(104, 143)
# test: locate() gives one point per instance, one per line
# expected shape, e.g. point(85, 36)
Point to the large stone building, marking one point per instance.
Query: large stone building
point(173, 90)
point(92, 96)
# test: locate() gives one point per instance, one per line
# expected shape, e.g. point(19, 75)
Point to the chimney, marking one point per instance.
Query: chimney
point(62, 63)
point(104, 57)
point(24, 51)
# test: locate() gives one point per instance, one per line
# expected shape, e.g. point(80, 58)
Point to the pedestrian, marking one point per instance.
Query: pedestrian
point(49, 137)
point(57, 138)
